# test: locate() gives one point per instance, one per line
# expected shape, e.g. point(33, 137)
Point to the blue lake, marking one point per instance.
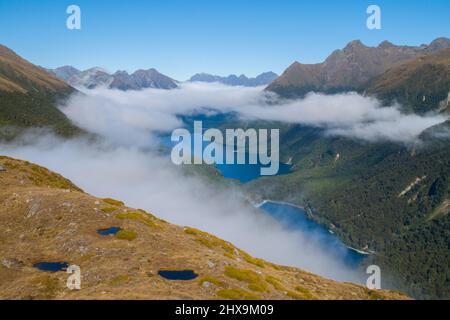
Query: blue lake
point(241, 172)
point(295, 218)
point(178, 274)
point(247, 172)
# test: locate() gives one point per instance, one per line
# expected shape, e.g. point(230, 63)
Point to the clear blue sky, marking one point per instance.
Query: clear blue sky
point(183, 37)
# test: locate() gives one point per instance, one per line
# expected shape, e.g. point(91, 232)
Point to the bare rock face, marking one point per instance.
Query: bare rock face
point(348, 69)
point(2, 168)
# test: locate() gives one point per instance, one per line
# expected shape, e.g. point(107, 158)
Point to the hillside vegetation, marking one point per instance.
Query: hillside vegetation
point(386, 198)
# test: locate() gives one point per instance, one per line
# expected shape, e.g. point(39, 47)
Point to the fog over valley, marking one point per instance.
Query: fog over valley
point(126, 162)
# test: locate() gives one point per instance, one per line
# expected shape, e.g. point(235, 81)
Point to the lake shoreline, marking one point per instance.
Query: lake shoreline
point(265, 201)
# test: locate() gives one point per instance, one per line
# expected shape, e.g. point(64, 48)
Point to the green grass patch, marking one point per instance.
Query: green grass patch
point(140, 216)
point(212, 280)
point(374, 295)
point(210, 241)
point(237, 294)
point(301, 294)
point(276, 283)
point(126, 235)
point(119, 280)
point(254, 280)
point(295, 295)
point(229, 255)
point(259, 287)
point(113, 202)
point(255, 261)
point(47, 287)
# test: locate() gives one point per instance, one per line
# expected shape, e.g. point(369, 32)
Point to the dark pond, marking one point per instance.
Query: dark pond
point(51, 266)
point(178, 275)
point(109, 231)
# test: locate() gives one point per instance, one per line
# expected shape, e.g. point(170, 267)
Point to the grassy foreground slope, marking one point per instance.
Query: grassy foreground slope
point(29, 97)
point(45, 218)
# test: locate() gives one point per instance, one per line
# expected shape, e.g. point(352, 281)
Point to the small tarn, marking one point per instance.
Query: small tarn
point(178, 274)
point(51, 266)
point(108, 231)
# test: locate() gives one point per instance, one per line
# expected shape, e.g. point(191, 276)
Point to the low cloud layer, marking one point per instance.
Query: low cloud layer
point(135, 112)
point(145, 179)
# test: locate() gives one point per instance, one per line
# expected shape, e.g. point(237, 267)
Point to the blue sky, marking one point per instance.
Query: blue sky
point(183, 37)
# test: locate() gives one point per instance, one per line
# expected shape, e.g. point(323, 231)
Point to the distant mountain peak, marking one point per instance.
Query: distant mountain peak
point(386, 44)
point(355, 44)
point(142, 79)
point(118, 72)
point(295, 64)
point(440, 43)
point(268, 73)
point(68, 68)
point(234, 80)
point(97, 69)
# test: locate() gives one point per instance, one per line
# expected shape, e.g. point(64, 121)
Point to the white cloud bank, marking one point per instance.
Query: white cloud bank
point(349, 114)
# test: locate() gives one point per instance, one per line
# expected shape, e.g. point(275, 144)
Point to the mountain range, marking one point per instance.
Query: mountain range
point(122, 80)
point(348, 69)
point(142, 79)
point(234, 80)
